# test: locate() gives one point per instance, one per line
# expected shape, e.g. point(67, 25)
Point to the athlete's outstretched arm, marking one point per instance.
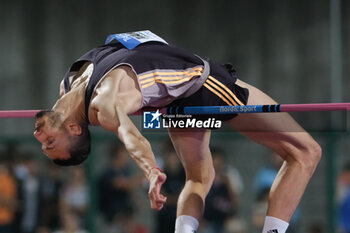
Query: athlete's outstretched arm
point(139, 149)
point(117, 96)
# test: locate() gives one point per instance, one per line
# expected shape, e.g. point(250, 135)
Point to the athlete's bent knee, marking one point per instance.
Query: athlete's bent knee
point(211, 177)
point(203, 181)
point(208, 182)
point(306, 154)
point(311, 156)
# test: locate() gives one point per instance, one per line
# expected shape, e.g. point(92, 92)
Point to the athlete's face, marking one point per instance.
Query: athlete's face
point(53, 138)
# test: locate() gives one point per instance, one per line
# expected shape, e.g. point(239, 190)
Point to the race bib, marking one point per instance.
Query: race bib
point(132, 39)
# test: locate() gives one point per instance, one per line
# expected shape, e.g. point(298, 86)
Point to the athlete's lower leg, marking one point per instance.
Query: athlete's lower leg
point(292, 179)
point(194, 153)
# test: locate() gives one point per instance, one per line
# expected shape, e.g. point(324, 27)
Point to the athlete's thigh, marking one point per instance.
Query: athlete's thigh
point(192, 147)
point(278, 131)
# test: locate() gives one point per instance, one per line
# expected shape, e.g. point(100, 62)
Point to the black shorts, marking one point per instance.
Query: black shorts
point(219, 89)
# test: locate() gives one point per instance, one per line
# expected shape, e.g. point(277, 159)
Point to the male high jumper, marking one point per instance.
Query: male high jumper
point(112, 81)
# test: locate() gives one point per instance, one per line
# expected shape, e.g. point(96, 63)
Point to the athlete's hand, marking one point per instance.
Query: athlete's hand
point(156, 180)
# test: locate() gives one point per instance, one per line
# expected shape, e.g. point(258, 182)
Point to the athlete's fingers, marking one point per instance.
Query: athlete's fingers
point(159, 203)
point(157, 197)
point(157, 200)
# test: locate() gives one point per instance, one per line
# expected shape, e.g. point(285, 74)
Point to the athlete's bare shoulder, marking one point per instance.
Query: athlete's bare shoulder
point(119, 88)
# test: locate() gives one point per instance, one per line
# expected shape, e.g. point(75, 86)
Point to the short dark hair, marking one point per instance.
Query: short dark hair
point(79, 148)
point(53, 116)
point(42, 113)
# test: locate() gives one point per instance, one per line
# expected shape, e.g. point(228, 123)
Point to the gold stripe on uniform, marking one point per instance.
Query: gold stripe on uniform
point(171, 78)
point(217, 88)
point(176, 78)
point(227, 90)
point(217, 93)
point(166, 82)
point(159, 72)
